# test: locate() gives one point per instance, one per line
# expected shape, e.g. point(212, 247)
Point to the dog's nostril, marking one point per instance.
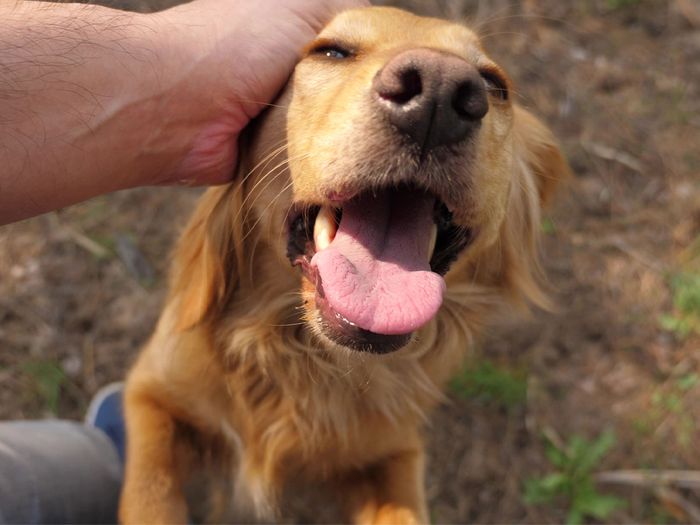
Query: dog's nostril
point(469, 101)
point(430, 97)
point(412, 85)
point(402, 86)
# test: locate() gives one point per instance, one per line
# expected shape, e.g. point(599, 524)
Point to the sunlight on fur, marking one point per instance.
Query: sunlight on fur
point(258, 375)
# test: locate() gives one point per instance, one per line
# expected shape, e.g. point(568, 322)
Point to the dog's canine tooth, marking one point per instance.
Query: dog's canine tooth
point(433, 240)
point(324, 228)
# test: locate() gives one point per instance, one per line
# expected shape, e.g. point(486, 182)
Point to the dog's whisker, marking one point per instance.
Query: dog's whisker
point(281, 192)
point(286, 218)
point(260, 103)
point(280, 168)
point(483, 18)
point(269, 177)
point(264, 163)
point(486, 36)
point(276, 149)
point(478, 25)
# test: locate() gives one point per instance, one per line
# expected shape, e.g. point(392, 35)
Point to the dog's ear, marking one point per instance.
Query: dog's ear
point(540, 167)
point(538, 149)
point(207, 257)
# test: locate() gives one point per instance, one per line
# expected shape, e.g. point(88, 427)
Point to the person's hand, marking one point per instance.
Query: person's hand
point(94, 100)
point(230, 59)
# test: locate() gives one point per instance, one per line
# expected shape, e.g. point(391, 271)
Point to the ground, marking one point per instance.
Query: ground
point(618, 81)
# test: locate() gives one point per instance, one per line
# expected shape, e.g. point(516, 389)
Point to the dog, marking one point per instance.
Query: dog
point(386, 207)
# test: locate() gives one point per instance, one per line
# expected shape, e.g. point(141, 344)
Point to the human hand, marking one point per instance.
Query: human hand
point(94, 100)
point(230, 60)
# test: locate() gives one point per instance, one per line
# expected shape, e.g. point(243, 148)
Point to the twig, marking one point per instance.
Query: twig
point(79, 238)
point(688, 479)
point(674, 502)
point(553, 437)
point(86, 242)
point(621, 245)
point(608, 153)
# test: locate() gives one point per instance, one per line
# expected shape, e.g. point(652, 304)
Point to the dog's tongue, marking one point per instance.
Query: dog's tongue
point(376, 272)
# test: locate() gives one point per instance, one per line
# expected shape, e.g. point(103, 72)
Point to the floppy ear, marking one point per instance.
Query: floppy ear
point(539, 169)
point(538, 149)
point(208, 257)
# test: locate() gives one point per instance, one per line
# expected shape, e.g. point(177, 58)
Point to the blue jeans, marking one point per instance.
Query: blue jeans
point(55, 471)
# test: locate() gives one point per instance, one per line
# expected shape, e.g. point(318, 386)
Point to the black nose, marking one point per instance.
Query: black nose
point(435, 98)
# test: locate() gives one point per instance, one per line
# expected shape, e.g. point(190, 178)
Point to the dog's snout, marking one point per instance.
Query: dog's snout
point(433, 97)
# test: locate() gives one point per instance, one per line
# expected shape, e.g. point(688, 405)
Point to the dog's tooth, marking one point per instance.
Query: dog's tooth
point(324, 228)
point(433, 240)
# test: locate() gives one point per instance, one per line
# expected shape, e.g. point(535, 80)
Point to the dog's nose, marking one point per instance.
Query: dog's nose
point(433, 97)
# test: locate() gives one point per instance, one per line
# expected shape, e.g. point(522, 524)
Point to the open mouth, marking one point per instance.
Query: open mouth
point(377, 264)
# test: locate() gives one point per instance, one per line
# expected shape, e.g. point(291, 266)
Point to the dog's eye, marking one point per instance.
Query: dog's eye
point(333, 51)
point(495, 85)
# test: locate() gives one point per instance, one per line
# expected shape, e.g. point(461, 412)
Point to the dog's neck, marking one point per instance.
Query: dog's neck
point(270, 335)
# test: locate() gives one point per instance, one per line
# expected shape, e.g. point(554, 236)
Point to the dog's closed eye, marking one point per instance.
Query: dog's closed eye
point(331, 49)
point(495, 84)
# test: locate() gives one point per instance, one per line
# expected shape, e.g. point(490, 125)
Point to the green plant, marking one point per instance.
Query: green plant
point(660, 516)
point(486, 382)
point(573, 479)
point(669, 409)
point(547, 226)
point(685, 318)
point(668, 403)
point(688, 381)
point(48, 378)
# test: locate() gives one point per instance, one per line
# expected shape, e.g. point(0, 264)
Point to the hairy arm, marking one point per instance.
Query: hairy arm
point(94, 100)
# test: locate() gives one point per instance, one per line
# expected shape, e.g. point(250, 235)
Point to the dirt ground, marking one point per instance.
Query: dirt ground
point(619, 82)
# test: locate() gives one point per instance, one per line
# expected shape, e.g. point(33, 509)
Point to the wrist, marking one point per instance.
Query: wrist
point(196, 113)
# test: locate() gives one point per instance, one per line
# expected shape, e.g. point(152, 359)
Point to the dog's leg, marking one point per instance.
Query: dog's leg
point(388, 493)
point(152, 490)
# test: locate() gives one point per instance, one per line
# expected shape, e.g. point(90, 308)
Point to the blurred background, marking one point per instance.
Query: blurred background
point(590, 413)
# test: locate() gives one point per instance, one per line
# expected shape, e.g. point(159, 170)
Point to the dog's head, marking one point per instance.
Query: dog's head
point(395, 162)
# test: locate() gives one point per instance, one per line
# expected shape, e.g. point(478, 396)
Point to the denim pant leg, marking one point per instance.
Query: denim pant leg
point(57, 472)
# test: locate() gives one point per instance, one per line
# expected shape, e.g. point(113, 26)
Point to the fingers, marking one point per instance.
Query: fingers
point(233, 58)
point(320, 13)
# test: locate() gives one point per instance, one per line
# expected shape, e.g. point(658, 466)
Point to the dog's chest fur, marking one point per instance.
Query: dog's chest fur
point(298, 408)
point(288, 408)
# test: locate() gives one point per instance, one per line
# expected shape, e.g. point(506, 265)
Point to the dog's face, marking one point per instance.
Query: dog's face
point(385, 99)
point(399, 132)
point(395, 154)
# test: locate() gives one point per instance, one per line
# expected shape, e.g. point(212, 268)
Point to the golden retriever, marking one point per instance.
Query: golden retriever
point(386, 206)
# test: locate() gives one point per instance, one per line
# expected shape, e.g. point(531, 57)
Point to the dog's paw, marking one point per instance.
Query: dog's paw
point(397, 515)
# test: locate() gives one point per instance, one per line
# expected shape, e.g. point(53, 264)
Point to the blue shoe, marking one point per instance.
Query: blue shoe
point(105, 412)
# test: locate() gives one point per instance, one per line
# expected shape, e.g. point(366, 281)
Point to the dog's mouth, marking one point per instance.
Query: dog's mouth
point(376, 263)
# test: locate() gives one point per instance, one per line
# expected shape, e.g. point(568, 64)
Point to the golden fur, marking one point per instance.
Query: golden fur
point(238, 392)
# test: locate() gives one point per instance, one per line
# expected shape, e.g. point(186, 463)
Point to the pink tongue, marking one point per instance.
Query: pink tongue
point(376, 273)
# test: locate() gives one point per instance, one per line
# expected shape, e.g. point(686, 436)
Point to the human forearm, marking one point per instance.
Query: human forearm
point(78, 104)
point(93, 99)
